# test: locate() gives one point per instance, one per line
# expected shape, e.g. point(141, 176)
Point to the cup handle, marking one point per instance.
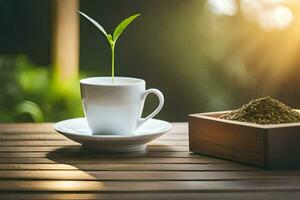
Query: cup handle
point(156, 111)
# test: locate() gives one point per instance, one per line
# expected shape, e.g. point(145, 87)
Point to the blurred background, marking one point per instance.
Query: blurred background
point(204, 55)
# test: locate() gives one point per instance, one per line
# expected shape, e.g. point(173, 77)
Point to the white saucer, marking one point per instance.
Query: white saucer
point(77, 130)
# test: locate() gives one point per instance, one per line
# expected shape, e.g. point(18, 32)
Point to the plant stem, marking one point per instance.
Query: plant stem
point(112, 61)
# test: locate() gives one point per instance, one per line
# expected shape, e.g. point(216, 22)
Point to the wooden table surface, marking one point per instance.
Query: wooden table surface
point(38, 163)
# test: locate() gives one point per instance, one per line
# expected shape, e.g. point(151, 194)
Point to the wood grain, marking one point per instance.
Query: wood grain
point(130, 167)
point(57, 136)
point(258, 195)
point(226, 140)
point(32, 143)
point(149, 186)
point(38, 163)
point(87, 154)
point(273, 146)
point(113, 160)
point(160, 148)
point(146, 175)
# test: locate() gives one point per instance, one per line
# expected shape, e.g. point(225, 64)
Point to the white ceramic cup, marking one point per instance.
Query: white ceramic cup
point(116, 107)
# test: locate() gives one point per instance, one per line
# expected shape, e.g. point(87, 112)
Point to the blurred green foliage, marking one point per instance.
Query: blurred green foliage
point(30, 93)
point(201, 58)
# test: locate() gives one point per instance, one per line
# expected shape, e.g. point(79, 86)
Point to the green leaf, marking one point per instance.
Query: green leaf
point(94, 22)
point(121, 27)
point(32, 109)
point(110, 39)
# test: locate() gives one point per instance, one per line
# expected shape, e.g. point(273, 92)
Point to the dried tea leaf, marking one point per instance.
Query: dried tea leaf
point(264, 111)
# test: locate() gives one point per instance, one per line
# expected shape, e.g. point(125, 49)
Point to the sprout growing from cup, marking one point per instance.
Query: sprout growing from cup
point(112, 38)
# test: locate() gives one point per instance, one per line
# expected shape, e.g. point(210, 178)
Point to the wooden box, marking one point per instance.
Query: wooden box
point(269, 146)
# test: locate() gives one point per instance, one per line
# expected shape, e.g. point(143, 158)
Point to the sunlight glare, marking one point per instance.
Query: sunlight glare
point(269, 14)
point(282, 17)
point(272, 1)
point(279, 18)
point(251, 8)
point(223, 7)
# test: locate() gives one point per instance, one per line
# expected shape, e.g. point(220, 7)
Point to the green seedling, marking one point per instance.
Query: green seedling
point(112, 39)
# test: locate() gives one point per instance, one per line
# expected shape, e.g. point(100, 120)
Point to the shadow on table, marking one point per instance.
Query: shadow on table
point(80, 155)
point(92, 165)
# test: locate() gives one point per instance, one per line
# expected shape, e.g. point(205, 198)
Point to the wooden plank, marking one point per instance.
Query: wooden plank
point(178, 128)
point(29, 143)
point(56, 136)
point(167, 148)
point(171, 143)
point(264, 195)
point(89, 154)
point(52, 148)
point(212, 136)
point(66, 160)
point(31, 166)
point(130, 167)
point(34, 149)
point(174, 137)
point(150, 186)
point(212, 149)
point(50, 136)
point(26, 127)
point(37, 143)
point(146, 175)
